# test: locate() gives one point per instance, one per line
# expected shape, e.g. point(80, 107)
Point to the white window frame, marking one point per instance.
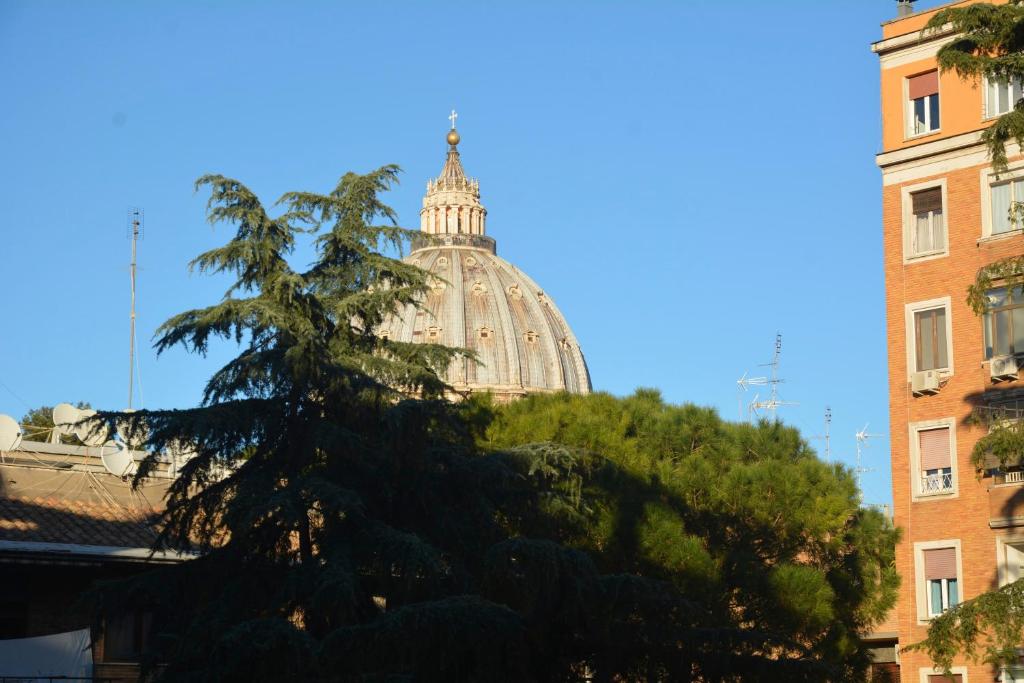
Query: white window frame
point(921, 585)
point(943, 591)
point(916, 473)
point(988, 111)
point(989, 177)
point(920, 306)
point(925, 672)
point(909, 223)
point(1002, 571)
point(908, 109)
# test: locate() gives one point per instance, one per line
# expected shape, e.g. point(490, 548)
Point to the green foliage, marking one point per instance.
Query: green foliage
point(743, 520)
point(356, 526)
point(1003, 443)
point(1007, 272)
point(989, 42)
point(986, 628)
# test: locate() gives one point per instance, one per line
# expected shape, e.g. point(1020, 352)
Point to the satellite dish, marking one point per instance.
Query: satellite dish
point(118, 461)
point(91, 433)
point(65, 416)
point(140, 435)
point(10, 433)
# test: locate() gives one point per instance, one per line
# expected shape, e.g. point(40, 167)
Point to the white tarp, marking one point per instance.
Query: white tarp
point(60, 654)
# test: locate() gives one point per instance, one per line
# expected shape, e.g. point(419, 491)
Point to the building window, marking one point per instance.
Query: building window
point(923, 92)
point(1011, 557)
point(1001, 95)
point(930, 340)
point(943, 678)
point(928, 231)
point(433, 333)
point(531, 337)
point(1005, 199)
point(1004, 322)
point(936, 460)
point(942, 589)
point(126, 638)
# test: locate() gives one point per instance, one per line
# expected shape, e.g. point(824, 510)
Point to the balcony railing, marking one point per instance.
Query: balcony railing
point(937, 483)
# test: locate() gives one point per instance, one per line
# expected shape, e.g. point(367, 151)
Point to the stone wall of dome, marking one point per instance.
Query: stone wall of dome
point(481, 302)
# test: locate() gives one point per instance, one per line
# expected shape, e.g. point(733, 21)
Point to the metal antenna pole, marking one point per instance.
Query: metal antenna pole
point(135, 226)
point(862, 443)
point(828, 430)
point(827, 437)
point(773, 403)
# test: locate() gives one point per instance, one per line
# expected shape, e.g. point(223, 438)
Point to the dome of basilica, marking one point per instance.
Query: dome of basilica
point(482, 302)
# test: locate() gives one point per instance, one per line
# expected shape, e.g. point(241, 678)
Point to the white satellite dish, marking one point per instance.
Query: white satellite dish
point(140, 434)
point(68, 420)
point(10, 433)
point(91, 433)
point(118, 460)
point(65, 416)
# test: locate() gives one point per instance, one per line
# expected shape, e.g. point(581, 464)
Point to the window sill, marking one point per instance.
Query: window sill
point(918, 136)
point(1001, 236)
point(927, 256)
point(937, 495)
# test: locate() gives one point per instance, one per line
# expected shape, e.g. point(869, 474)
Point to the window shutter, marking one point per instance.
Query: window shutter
point(940, 563)
point(927, 200)
point(934, 444)
point(924, 84)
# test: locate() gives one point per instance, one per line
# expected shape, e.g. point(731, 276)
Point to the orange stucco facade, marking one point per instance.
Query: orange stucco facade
point(970, 511)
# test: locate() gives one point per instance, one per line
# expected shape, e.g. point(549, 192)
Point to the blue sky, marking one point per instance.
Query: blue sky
point(685, 179)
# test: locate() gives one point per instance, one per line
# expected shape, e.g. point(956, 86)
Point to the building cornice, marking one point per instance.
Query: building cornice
point(912, 39)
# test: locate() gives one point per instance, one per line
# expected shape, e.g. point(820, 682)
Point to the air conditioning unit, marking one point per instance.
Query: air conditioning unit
point(1003, 368)
point(926, 382)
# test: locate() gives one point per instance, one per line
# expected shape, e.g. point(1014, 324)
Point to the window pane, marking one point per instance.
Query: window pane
point(935, 588)
point(1002, 332)
point(919, 115)
point(938, 230)
point(1004, 98)
point(993, 103)
point(954, 593)
point(922, 234)
point(925, 340)
point(1000, 208)
point(933, 105)
point(1017, 197)
point(940, 338)
point(986, 325)
point(1017, 323)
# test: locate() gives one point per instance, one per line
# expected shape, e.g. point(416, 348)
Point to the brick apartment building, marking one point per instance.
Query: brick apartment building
point(945, 216)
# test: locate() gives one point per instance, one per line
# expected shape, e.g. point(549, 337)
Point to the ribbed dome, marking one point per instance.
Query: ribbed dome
point(484, 303)
point(522, 341)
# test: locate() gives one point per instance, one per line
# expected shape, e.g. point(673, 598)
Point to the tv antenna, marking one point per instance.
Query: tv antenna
point(827, 436)
point(862, 444)
point(773, 403)
point(136, 227)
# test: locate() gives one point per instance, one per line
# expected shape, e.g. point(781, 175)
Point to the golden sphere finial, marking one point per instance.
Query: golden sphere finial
point(453, 137)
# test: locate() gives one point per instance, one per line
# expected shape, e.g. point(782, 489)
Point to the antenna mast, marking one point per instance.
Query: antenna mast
point(862, 443)
point(828, 434)
point(136, 220)
point(773, 403)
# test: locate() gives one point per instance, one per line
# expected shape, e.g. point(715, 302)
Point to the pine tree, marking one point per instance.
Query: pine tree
point(351, 527)
point(328, 489)
point(768, 544)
